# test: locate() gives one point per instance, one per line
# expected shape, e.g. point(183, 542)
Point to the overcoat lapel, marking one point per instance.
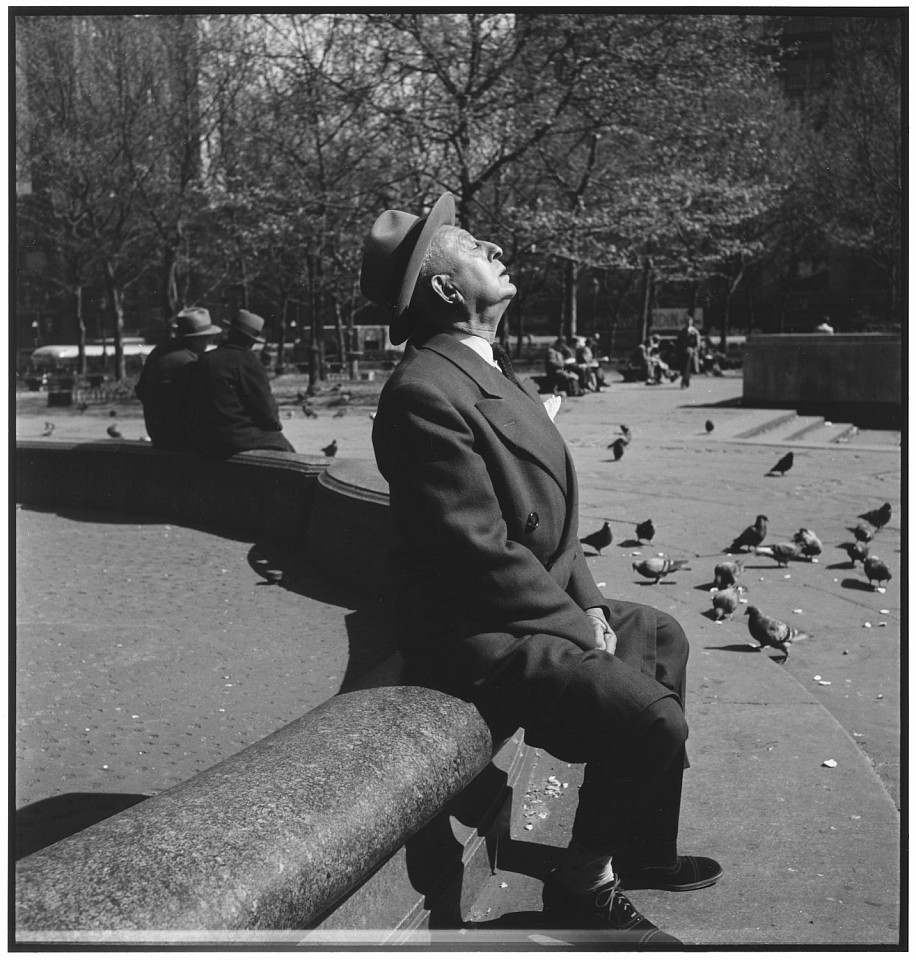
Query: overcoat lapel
point(509, 409)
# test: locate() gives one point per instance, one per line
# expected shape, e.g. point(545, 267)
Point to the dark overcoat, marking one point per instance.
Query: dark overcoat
point(163, 390)
point(491, 585)
point(231, 404)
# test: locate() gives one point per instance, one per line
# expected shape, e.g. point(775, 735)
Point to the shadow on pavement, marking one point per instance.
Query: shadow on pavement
point(114, 519)
point(735, 648)
point(851, 584)
point(46, 821)
point(370, 633)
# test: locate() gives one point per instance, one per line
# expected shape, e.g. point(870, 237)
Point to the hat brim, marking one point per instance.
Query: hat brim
point(211, 331)
point(442, 214)
point(229, 325)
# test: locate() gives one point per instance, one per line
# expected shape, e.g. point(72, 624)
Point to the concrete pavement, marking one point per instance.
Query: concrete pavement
point(811, 852)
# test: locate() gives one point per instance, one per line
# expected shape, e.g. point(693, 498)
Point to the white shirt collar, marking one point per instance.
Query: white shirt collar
point(479, 346)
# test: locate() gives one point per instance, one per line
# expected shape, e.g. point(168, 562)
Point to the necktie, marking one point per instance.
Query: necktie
point(504, 363)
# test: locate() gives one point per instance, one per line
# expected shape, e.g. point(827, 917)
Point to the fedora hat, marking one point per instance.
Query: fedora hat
point(392, 257)
point(248, 323)
point(195, 322)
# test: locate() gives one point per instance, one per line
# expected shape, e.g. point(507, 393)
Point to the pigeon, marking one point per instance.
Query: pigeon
point(600, 538)
point(48, 430)
point(82, 406)
point(288, 414)
point(112, 413)
point(857, 552)
point(330, 450)
point(783, 465)
point(782, 553)
point(770, 632)
point(727, 573)
point(809, 542)
point(627, 436)
point(301, 395)
point(657, 567)
point(114, 432)
point(710, 426)
point(308, 411)
point(645, 530)
point(618, 446)
point(751, 536)
point(725, 602)
point(876, 569)
point(863, 532)
point(342, 412)
point(878, 518)
point(272, 576)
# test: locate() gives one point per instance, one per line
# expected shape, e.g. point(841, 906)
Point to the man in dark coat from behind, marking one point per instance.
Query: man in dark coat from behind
point(163, 384)
point(494, 600)
point(232, 406)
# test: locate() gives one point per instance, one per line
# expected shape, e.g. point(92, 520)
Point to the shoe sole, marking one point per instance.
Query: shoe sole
point(674, 887)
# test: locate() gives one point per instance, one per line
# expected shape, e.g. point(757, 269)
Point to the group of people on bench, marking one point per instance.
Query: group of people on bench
point(210, 399)
point(573, 370)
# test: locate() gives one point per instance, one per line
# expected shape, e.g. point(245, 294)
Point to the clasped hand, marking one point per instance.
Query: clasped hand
point(605, 638)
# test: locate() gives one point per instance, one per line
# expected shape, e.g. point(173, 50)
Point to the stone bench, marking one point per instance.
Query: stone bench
point(380, 809)
point(343, 819)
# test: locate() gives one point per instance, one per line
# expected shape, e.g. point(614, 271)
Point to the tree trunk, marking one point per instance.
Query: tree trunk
point(570, 290)
point(692, 306)
point(281, 339)
point(315, 332)
point(520, 328)
point(171, 302)
point(81, 329)
point(116, 298)
point(341, 338)
point(646, 299)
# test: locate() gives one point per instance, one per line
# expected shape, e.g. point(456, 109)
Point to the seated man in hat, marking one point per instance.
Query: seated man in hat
point(232, 407)
point(163, 384)
point(493, 598)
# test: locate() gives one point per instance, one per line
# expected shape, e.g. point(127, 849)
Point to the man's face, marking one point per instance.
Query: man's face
point(476, 270)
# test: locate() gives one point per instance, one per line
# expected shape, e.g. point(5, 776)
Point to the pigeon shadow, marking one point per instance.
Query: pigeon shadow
point(632, 543)
point(653, 583)
point(705, 587)
point(851, 584)
point(736, 648)
point(44, 822)
point(848, 565)
point(711, 615)
point(612, 460)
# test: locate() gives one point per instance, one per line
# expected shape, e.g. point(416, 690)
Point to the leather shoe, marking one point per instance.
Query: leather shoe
point(690, 873)
point(605, 908)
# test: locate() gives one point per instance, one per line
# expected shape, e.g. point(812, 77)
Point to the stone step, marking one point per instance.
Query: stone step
point(787, 428)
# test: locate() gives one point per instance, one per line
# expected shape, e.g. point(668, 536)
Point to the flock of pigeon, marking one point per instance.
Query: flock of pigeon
point(805, 545)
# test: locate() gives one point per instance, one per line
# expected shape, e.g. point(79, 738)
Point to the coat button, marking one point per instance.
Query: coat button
point(532, 522)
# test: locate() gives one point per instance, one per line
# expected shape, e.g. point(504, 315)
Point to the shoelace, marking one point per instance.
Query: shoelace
point(607, 900)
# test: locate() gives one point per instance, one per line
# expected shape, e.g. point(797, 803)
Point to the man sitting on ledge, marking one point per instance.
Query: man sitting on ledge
point(231, 405)
point(494, 599)
point(163, 384)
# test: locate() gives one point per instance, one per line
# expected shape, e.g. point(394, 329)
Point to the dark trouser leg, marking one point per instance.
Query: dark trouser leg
point(630, 798)
point(629, 803)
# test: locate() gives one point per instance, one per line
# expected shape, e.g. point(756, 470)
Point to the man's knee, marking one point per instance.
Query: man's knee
point(670, 635)
point(668, 725)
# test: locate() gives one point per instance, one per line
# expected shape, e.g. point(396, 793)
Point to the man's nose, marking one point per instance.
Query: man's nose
point(494, 252)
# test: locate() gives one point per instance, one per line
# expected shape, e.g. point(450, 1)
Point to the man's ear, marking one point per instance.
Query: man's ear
point(443, 288)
